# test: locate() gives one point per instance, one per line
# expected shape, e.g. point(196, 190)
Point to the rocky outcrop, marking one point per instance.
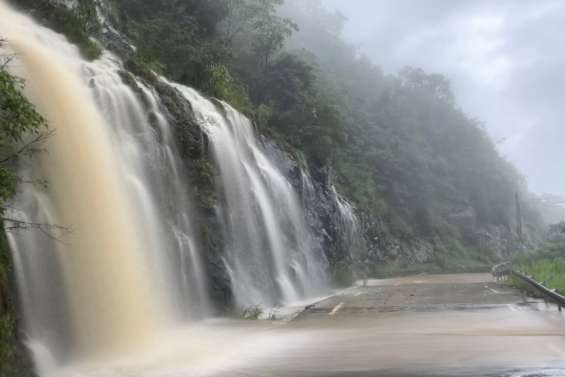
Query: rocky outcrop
point(71, 4)
point(107, 34)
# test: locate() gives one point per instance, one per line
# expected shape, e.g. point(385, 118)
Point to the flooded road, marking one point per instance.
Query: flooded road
point(445, 325)
point(463, 324)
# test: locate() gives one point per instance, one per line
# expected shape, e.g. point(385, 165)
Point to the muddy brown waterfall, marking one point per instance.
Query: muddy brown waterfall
point(126, 267)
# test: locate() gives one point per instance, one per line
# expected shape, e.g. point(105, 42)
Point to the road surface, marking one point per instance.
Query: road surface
point(436, 325)
point(443, 325)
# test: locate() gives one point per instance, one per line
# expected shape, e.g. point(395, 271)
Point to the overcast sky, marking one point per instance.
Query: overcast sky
point(505, 58)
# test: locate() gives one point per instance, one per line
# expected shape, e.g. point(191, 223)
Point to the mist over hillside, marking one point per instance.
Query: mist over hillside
point(501, 57)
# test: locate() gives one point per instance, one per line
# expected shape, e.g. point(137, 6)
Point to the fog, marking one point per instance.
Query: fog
point(504, 58)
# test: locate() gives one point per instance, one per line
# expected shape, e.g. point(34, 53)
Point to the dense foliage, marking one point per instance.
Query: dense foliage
point(547, 264)
point(21, 128)
point(412, 155)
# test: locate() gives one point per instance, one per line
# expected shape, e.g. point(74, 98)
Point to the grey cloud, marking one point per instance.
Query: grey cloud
point(505, 60)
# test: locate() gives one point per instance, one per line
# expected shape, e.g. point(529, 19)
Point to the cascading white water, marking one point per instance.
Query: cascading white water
point(130, 265)
point(347, 234)
point(270, 253)
point(347, 223)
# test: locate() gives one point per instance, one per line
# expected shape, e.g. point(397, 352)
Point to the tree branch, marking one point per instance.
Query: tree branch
point(38, 139)
point(47, 229)
point(6, 59)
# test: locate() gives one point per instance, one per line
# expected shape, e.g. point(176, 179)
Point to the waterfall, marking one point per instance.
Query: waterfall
point(346, 222)
point(129, 265)
point(349, 233)
point(346, 237)
point(126, 265)
point(270, 254)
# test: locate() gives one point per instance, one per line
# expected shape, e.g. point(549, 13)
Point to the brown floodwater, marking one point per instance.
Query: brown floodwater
point(451, 325)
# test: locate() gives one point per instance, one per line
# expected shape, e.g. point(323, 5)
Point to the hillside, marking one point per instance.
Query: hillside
point(321, 169)
point(428, 182)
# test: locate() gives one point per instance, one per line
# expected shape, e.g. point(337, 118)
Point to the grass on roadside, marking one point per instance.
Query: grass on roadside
point(398, 269)
point(551, 272)
point(546, 265)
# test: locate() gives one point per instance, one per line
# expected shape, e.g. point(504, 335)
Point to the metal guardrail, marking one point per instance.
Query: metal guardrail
point(503, 270)
point(547, 293)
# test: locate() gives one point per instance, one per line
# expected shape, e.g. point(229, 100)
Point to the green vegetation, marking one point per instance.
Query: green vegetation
point(547, 264)
point(411, 156)
point(446, 262)
point(21, 130)
point(550, 272)
point(11, 359)
point(14, 360)
point(343, 275)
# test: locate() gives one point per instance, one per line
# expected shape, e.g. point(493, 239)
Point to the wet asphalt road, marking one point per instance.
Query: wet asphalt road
point(442, 325)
